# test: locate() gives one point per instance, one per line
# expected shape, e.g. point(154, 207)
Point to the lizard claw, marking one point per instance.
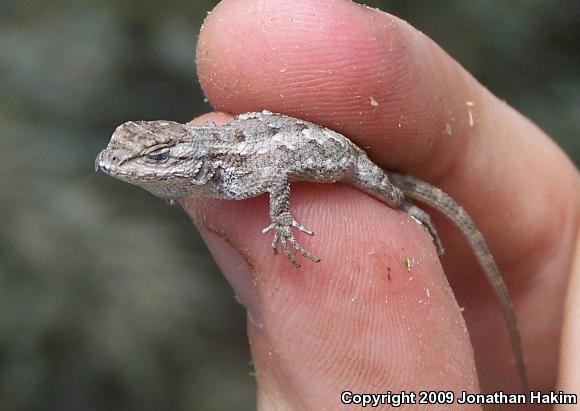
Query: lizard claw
point(301, 228)
point(269, 228)
point(284, 236)
point(275, 242)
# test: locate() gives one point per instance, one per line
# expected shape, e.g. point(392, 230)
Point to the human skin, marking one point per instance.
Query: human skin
point(361, 320)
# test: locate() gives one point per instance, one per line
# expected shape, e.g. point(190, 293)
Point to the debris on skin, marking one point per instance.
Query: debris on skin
point(408, 263)
point(447, 130)
point(374, 102)
point(469, 105)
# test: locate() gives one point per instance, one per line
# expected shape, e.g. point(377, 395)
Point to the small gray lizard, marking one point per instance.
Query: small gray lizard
point(261, 152)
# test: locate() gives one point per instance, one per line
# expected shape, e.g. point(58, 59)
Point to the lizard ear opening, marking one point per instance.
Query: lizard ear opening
point(202, 172)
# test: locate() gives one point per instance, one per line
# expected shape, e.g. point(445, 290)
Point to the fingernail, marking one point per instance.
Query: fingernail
point(237, 272)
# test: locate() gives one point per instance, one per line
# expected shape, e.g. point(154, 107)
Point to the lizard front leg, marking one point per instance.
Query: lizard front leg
point(282, 223)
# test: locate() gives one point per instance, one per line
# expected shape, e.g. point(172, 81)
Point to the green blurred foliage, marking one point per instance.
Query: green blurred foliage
point(108, 298)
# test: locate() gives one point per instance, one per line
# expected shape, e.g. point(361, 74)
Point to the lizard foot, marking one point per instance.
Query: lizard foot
point(282, 226)
point(424, 220)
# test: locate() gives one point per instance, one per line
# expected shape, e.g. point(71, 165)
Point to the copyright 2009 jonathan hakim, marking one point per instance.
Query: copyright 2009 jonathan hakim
point(397, 399)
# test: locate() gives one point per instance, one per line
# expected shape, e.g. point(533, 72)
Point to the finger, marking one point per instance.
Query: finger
point(397, 94)
point(391, 89)
point(380, 301)
point(375, 314)
point(569, 367)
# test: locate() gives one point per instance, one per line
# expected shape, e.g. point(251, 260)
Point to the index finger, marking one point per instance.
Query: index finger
point(393, 91)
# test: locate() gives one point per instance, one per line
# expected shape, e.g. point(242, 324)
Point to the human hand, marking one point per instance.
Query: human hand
point(361, 320)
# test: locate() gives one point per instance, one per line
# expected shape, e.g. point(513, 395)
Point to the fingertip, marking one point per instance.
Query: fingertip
point(238, 271)
point(360, 71)
point(215, 117)
point(376, 310)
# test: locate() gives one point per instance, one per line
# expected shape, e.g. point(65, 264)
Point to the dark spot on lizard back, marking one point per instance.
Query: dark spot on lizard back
point(273, 130)
point(301, 127)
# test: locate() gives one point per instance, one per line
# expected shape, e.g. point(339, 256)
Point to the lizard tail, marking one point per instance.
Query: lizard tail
point(426, 193)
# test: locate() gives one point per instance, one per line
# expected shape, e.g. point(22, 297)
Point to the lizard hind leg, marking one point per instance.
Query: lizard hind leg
point(423, 219)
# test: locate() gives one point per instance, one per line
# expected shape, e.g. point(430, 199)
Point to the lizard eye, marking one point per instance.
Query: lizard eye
point(157, 157)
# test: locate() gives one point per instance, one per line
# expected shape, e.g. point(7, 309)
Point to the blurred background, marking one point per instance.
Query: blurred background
point(108, 298)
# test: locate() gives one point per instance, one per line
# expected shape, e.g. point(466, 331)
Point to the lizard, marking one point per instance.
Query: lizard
point(263, 152)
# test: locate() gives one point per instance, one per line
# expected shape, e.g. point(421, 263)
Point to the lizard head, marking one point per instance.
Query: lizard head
point(159, 156)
